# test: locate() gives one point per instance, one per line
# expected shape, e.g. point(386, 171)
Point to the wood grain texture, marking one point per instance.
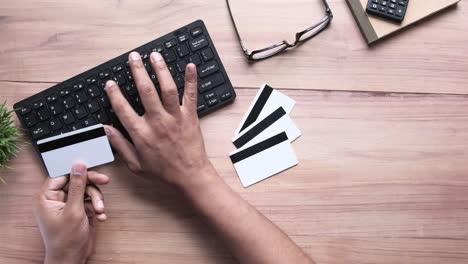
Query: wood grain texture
point(381, 179)
point(54, 40)
point(382, 176)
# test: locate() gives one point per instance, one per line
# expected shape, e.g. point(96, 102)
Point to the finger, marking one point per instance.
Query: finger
point(88, 206)
point(191, 89)
point(98, 178)
point(127, 116)
point(59, 196)
point(55, 184)
point(125, 149)
point(97, 198)
point(169, 92)
point(101, 217)
point(148, 94)
point(76, 188)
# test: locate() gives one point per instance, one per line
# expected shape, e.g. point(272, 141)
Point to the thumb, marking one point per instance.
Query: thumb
point(76, 188)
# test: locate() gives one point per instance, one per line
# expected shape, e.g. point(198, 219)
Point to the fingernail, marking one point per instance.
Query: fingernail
point(156, 57)
point(134, 56)
point(78, 169)
point(108, 131)
point(100, 204)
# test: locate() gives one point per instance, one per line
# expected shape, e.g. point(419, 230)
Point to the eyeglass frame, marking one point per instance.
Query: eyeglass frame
point(325, 22)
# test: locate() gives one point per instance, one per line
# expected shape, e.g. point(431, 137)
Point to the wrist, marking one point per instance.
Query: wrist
point(198, 179)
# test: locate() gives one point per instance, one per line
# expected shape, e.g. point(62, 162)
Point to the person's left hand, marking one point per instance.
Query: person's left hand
point(66, 219)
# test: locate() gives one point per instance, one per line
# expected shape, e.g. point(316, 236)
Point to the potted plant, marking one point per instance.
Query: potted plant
point(9, 137)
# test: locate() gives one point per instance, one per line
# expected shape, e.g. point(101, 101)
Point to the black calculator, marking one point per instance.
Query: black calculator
point(394, 10)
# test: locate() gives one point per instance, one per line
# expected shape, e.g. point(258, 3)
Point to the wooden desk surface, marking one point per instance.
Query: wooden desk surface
point(382, 176)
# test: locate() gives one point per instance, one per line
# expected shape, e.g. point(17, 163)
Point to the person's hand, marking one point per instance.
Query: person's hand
point(66, 219)
point(167, 139)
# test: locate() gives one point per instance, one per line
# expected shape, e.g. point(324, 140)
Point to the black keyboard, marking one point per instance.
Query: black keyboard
point(390, 9)
point(81, 101)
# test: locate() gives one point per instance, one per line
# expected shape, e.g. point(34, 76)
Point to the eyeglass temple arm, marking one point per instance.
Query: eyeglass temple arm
point(235, 28)
point(327, 8)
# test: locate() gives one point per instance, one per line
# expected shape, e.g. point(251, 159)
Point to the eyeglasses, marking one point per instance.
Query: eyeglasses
point(279, 47)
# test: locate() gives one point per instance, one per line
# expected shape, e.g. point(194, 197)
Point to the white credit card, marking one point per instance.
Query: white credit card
point(276, 122)
point(265, 102)
point(89, 145)
point(263, 160)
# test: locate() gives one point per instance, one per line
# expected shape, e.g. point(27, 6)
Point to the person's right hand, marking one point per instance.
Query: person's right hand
point(167, 139)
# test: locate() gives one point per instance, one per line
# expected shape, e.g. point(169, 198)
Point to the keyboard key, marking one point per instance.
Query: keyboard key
point(68, 118)
point(181, 64)
point(76, 126)
point(64, 92)
point(198, 43)
point(130, 89)
point(93, 91)
point(78, 86)
point(207, 69)
point(225, 95)
point(129, 75)
point(158, 48)
point(55, 124)
point(90, 80)
point(195, 32)
point(81, 97)
point(68, 102)
point(119, 78)
point(104, 101)
point(118, 67)
point(170, 43)
point(169, 56)
point(154, 78)
point(80, 112)
point(210, 82)
point(207, 54)
point(51, 98)
point(102, 83)
point(30, 120)
point(212, 102)
point(147, 65)
point(93, 106)
point(25, 109)
point(179, 81)
point(210, 95)
point(89, 121)
point(195, 59)
point(102, 117)
point(38, 104)
point(183, 37)
point(65, 130)
point(172, 69)
point(144, 55)
point(56, 108)
point(104, 74)
point(182, 50)
point(40, 131)
point(43, 114)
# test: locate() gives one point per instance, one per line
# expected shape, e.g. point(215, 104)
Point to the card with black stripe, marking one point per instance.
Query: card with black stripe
point(89, 145)
point(276, 122)
point(265, 102)
point(264, 159)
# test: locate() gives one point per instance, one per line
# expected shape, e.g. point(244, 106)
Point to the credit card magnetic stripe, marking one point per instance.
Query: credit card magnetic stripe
point(266, 144)
point(257, 108)
point(258, 128)
point(72, 139)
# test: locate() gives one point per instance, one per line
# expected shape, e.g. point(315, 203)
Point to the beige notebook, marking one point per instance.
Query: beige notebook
point(374, 28)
